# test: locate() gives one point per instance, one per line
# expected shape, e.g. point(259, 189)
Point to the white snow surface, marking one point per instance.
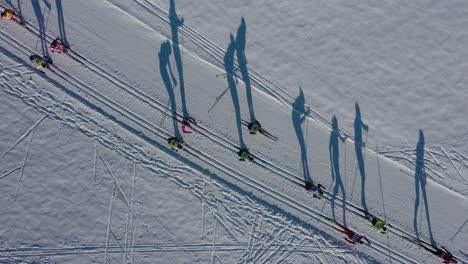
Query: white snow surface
point(87, 176)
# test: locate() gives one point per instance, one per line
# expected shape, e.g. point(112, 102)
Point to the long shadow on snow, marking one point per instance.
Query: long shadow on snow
point(229, 67)
point(61, 21)
point(242, 60)
point(334, 148)
point(195, 166)
point(41, 23)
point(165, 70)
point(177, 22)
point(420, 181)
point(299, 115)
point(358, 145)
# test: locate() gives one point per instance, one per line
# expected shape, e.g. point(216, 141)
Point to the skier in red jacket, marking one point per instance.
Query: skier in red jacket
point(353, 237)
point(9, 14)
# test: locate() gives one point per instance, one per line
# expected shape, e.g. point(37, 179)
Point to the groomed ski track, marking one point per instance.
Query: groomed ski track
point(146, 130)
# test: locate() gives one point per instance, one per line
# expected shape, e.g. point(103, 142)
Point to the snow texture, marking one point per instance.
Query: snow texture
point(366, 98)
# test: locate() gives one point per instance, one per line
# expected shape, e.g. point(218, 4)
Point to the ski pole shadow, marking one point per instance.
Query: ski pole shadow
point(229, 67)
point(299, 115)
point(167, 75)
point(177, 22)
point(334, 147)
point(420, 183)
point(42, 27)
point(242, 61)
point(358, 146)
point(61, 22)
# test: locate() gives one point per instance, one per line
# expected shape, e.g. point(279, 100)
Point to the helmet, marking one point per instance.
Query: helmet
point(384, 229)
point(31, 57)
point(361, 242)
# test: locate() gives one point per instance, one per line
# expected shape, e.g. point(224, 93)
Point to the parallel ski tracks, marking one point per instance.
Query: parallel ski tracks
point(207, 247)
point(163, 134)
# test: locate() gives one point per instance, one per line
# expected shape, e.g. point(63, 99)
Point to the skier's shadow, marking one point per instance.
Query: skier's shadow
point(61, 21)
point(334, 147)
point(229, 67)
point(358, 146)
point(299, 115)
point(420, 182)
point(177, 22)
point(41, 23)
point(242, 60)
point(166, 74)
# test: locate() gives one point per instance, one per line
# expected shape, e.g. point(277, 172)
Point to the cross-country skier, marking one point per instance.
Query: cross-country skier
point(254, 127)
point(244, 155)
point(58, 46)
point(441, 252)
point(378, 223)
point(39, 62)
point(187, 122)
point(175, 143)
point(9, 14)
point(353, 237)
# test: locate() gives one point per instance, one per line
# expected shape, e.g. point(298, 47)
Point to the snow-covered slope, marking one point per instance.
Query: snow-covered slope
point(88, 176)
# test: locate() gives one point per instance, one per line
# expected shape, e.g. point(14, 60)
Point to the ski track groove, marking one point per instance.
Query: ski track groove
point(219, 219)
point(456, 168)
point(10, 172)
point(130, 214)
point(271, 193)
point(113, 178)
point(440, 165)
point(94, 163)
point(20, 180)
point(120, 244)
point(132, 239)
point(24, 135)
point(273, 239)
point(249, 244)
point(202, 229)
point(109, 219)
point(214, 242)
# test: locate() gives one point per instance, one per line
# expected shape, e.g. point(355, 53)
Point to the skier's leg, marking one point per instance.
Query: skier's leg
point(16, 21)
